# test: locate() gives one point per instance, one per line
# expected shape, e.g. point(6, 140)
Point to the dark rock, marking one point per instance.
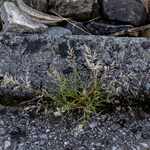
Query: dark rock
point(17, 134)
point(77, 28)
point(149, 10)
point(97, 28)
point(78, 9)
point(1, 24)
point(40, 5)
point(127, 11)
point(27, 66)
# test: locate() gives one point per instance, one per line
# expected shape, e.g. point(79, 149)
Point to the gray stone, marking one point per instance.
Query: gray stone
point(77, 9)
point(7, 144)
point(114, 148)
point(145, 145)
point(2, 131)
point(43, 136)
point(1, 24)
point(127, 11)
point(16, 21)
point(47, 130)
point(28, 62)
point(1, 122)
point(56, 32)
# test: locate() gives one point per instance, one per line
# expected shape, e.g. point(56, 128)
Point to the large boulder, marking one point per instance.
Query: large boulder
point(125, 11)
point(26, 61)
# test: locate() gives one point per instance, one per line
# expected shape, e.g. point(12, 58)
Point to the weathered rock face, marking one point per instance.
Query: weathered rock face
point(26, 61)
point(126, 11)
point(15, 21)
point(77, 9)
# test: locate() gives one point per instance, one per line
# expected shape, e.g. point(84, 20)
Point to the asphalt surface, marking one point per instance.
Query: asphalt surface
point(125, 129)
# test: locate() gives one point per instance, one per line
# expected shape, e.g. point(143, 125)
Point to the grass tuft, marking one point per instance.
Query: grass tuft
point(87, 98)
point(73, 92)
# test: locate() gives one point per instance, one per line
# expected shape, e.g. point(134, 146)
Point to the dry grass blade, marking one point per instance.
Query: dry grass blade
point(71, 56)
point(71, 22)
point(91, 59)
point(8, 79)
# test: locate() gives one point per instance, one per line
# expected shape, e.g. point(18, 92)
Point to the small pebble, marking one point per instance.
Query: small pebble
point(47, 130)
point(145, 145)
point(1, 122)
point(2, 131)
point(114, 148)
point(7, 144)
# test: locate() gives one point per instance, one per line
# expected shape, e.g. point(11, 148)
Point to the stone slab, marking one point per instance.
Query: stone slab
point(125, 62)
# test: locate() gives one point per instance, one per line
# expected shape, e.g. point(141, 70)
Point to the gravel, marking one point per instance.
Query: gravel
point(124, 129)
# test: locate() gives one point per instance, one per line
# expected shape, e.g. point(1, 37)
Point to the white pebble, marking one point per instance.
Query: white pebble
point(7, 144)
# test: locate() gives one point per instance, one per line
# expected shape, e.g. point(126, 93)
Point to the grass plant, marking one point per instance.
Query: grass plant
point(88, 97)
